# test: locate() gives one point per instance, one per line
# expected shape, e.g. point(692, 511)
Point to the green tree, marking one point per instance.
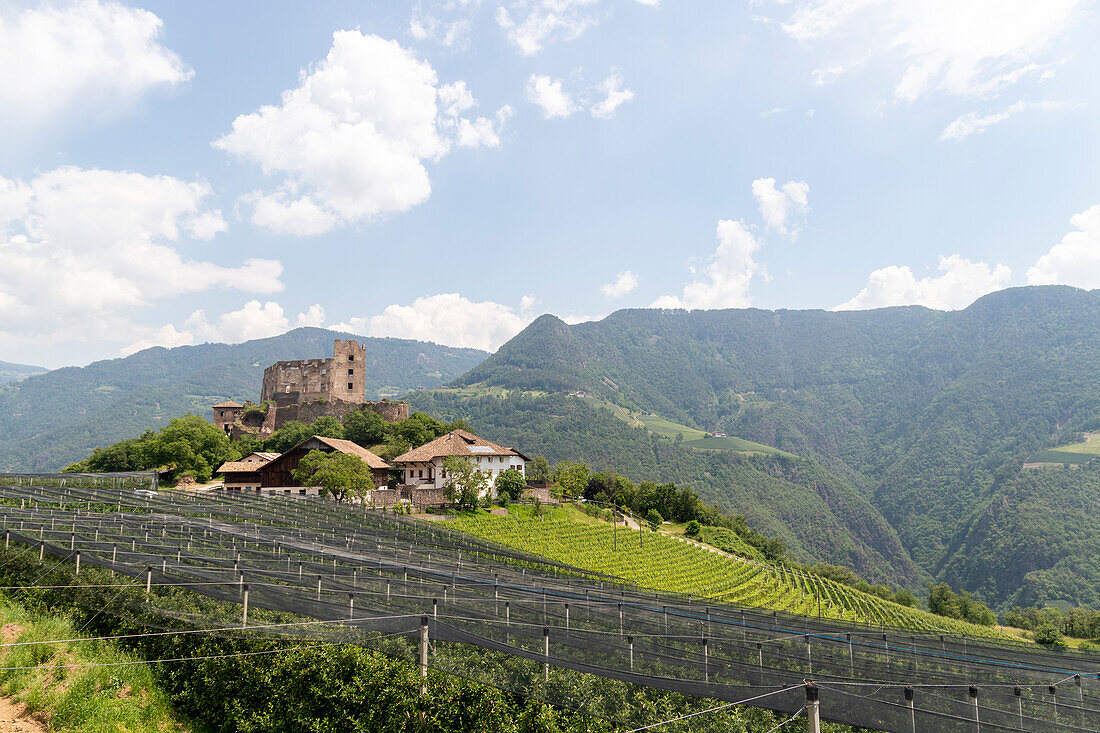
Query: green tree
point(365, 427)
point(464, 482)
point(189, 445)
point(1048, 633)
point(692, 529)
point(654, 519)
point(340, 475)
point(510, 483)
point(539, 469)
point(571, 477)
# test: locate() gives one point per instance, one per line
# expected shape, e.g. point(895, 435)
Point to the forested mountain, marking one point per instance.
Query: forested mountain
point(49, 421)
point(14, 372)
point(926, 415)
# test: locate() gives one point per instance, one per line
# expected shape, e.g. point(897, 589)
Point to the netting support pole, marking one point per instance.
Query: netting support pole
point(813, 709)
point(1077, 682)
point(41, 551)
point(507, 621)
point(148, 578)
point(351, 606)
point(435, 608)
point(78, 565)
point(974, 701)
point(567, 623)
point(760, 660)
point(1019, 705)
point(851, 657)
point(706, 660)
point(423, 656)
point(244, 605)
point(886, 645)
point(1054, 699)
point(546, 654)
point(620, 619)
point(318, 587)
point(630, 646)
point(909, 695)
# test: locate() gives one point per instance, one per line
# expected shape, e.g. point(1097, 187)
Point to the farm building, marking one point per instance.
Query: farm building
point(423, 467)
point(244, 475)
point(277, 477)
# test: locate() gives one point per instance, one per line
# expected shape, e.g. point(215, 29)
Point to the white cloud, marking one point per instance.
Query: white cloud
point(80, 250)
point(447, 318)
point(531, 24)
point(352, 139)
point(548, 94)
point(782, 208)
point(315, 317)
point(974, 122)
point(455, 33)
point(624, 283)
point(961, 283)
point(969, 48)
point(650, 3)
point(773, 111)
point(726, 277)
point(1076, 259)
point(614, 96)
point(72, 60)
point(253, 321)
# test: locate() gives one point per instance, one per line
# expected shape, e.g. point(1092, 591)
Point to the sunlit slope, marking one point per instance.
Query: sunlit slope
point(662, 562)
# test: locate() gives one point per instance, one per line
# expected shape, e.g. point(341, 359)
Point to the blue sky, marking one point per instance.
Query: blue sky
point(174, 173)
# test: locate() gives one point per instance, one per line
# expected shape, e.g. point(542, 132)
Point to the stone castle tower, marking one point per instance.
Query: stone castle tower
point(341, 378)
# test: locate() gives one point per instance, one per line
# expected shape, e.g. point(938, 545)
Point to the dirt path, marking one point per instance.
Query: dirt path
point(14, 718)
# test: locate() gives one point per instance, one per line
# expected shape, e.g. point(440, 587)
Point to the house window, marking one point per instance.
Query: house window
point(351, 357)
point(351, 372)
point(302, 492)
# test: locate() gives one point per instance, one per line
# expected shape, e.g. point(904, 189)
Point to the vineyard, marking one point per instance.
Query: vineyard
point(658, 561)
point(573, 635)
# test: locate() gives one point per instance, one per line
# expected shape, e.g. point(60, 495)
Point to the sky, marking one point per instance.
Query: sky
point(448, 170)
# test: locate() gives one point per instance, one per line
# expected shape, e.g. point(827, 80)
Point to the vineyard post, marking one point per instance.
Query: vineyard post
point(813, 709)
point(909, 694)
point(1019, 705)
point(423, 657)
point(244, 606)
point(546, 654)
point(974, 701)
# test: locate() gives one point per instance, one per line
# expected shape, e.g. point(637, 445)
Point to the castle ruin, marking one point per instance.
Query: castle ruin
point(305, 390)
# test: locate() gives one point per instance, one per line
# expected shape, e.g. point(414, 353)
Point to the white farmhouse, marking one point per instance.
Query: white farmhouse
point(423, 466)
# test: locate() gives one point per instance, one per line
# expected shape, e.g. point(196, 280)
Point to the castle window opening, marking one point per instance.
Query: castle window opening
point(351, 357)
point(350, 386)
point(351, 372)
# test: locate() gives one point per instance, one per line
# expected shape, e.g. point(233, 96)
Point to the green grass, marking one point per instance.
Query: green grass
point(693, 437)
point(78, 700)
point(1090, 446)
point(662, 562)
point(1061, 455)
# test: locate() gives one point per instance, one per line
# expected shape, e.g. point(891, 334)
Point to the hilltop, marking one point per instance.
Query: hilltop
point(14, 372)
point(51, 420)
point(910, 426)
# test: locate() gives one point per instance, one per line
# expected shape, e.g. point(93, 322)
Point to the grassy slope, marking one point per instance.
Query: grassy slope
point(693, 437)
point(665, 562)
point(82, 700)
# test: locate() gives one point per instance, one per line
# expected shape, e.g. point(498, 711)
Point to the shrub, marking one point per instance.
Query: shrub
point(692, 529)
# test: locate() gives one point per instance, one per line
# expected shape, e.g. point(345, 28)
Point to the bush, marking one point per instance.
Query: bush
point(692, 529)
point(654, 519)
point(1049, 634)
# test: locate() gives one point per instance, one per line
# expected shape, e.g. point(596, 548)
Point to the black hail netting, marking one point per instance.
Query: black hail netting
point(309, 570)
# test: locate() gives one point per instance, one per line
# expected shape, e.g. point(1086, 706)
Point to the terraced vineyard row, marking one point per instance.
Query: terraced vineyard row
point(665, 563)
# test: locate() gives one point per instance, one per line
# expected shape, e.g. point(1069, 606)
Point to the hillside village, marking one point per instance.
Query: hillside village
point(306, 390)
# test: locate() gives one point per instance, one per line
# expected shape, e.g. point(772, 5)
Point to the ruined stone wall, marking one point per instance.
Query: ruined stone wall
point(342, 377)
point(389, 411)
